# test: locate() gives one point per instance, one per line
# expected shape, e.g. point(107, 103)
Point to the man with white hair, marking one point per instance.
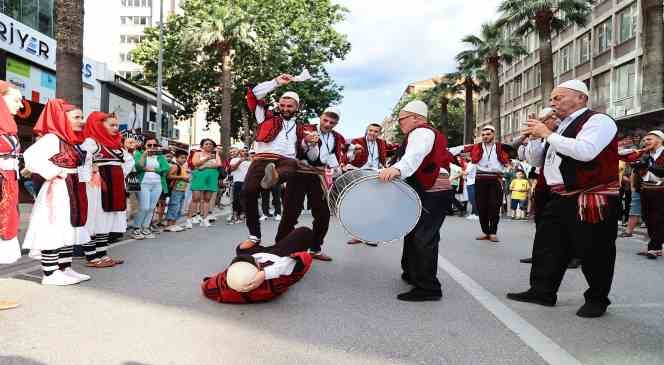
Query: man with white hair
point(421, 157)
point(278, 137)
point(579, 214)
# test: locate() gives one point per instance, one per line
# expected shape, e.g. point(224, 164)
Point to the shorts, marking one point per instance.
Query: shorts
point(523, 204)
point(205, 180)
point(635, 205)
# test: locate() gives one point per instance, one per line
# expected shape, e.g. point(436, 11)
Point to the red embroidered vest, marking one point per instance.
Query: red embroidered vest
point(476, 153)
point(429, 169)
point(339, 146)
point(268, 130)
point(362, 157)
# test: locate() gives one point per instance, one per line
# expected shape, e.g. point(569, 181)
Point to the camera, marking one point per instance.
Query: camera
point(643, 163)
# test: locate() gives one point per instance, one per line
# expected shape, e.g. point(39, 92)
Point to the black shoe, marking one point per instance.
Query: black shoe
point(651, 256)
point(420, 295)
point(529, 296)
point(526, 261)
point(592, 310)
point(405, 278)
point(574, 264)
point(372, 244)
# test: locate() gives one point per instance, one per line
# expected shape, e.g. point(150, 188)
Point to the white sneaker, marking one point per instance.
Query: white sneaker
point(206, 223)
point(197, 219)
point(76, 275)
point(230, 219)
point(263, 218)
point(148, 234)
point(174, 228)
point(59, 278)
point(473, 217)
point(188, 224)
point(137, 234)
point(277, 217)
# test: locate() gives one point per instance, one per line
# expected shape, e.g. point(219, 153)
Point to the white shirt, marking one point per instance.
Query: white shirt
point(281, 266)
point(595, 135)
point(650, 176)
point(420, 143)
point(471, 171)
point(241, 171)
point(285, 141)
point(373, 155)
point(324, 150)
point(151, 162)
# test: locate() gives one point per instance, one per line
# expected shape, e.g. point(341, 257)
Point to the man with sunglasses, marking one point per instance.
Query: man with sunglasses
point(491, 159)
point(279, 136)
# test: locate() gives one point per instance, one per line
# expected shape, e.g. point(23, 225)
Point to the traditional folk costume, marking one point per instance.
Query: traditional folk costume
point(421, 157)
point(10, 250)
point(490, 159)
point(61, 205)
point(578, 218)
point(107, 165)
point(284, 264)
point(277, 141)
point(328, 154)
point(373, 154)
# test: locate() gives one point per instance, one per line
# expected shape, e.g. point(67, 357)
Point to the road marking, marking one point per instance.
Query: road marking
point(550, 351)
point(642, 305)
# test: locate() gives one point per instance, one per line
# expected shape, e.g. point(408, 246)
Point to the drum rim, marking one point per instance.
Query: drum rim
point(364, 178)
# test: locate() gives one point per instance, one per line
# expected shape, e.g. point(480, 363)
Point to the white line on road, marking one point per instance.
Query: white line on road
point(550, 351)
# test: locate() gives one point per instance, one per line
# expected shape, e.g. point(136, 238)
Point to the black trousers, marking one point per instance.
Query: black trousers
point(489, 198)
point(276, 200)
point(299, 240)
point(237, 197)
point(652, 203)
point(560, 237)
point(300, 186)
point(419, 260)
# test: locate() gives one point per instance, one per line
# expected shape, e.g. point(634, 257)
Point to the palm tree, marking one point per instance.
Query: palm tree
point(69, 54)
point(471, 75)
point(490, 47)
point(545, 17)
point(217, 29)
point(445, 90)
point(653, 67)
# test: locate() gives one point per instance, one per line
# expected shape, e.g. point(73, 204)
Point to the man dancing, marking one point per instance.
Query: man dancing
point(326, 151)
point(277, 138)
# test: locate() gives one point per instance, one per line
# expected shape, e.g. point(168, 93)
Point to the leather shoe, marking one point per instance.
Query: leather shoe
point(482, 237)
point(321, 256)
point(494, 238)
point(530, 296)
point(592, 310)
point(526, 261)
point(372, 244)
point(420, 295)
point(354, 241)
point(574, 264)
point(405, 278)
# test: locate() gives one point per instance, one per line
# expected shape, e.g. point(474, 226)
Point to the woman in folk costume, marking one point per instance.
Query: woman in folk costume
point(60, 209)
point(107, 164)
point(10, 251)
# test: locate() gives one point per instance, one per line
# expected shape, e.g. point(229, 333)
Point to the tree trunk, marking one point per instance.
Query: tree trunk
point(469, 118)
point(226, 69)
point(69, 55)
point(494, 98)
point(546, 65)
point(653, 58)
point(444, 117)
point(246, 126)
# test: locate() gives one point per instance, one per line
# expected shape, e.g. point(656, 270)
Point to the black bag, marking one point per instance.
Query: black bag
point(132, 182)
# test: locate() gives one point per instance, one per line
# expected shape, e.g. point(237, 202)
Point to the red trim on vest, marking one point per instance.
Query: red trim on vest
point(429, 169)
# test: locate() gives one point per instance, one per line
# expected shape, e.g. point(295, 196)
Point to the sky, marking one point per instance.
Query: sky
point(396, 42)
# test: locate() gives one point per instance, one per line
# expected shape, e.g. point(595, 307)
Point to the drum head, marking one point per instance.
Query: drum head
point(375, 211)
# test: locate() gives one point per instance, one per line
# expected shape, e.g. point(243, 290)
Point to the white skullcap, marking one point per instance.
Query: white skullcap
point(489, 127)
point(576, 85)
point(657, 133)
point(292, 95)
point(239, 146)
point(417, 107)
point(240, 274)
point(334, 110)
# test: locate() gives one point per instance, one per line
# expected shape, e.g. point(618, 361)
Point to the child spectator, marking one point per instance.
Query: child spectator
point(178, 178)
point(519, 187)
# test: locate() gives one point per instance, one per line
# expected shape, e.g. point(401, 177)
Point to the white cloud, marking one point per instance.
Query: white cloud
point(396, 42)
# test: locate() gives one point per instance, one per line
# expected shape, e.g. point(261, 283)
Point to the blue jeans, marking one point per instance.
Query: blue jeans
point(148, 198)
point(471, 199)
point(175, 205)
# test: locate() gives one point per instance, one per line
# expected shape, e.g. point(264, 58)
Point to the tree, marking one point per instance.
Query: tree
point(445, 89)
point(471, 75)
point(490, 47)
point(69, 54)
point(545, 17)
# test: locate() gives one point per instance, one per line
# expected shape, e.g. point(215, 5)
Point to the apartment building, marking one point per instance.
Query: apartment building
point(607, 54)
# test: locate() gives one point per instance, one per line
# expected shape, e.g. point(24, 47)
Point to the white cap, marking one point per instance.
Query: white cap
point(576, 85)
point(292, 95)
point(489, 127)
point(657, 133)
point(239, 145)
point(417, 107)
point(334, 110)
point(240, 274)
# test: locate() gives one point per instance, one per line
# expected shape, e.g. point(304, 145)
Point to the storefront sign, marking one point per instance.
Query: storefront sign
point(36, 84)
point(26, 42)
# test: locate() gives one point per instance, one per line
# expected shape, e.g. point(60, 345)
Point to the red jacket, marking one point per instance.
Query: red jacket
point(439, 156)
point(476, 153)
point(268, 130)
point(217, 289)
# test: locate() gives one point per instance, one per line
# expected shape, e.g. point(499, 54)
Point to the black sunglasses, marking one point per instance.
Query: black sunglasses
point(151, 145)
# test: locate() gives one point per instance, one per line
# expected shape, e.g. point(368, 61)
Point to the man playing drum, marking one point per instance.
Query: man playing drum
point(278, 137)
point(421, 157)
point(326, 150)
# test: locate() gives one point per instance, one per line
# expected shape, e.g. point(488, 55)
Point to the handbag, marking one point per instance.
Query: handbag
point(132, 183)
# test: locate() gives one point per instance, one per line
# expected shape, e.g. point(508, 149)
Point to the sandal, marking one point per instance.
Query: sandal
point(112, 260)
point(99, 264)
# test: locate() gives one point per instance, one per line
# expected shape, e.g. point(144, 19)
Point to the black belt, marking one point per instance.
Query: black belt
point(7, 157)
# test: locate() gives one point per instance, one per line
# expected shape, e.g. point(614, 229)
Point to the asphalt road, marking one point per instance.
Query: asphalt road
point(150, 310)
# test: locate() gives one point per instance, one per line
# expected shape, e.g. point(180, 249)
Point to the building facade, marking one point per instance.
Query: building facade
point(607, 54)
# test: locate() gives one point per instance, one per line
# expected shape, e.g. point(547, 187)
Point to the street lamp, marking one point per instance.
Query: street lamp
point(160, 70)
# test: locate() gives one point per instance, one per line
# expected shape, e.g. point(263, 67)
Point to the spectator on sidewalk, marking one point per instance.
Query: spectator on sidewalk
point(178, 178)
point(471, 170)
point(152, 169)
point(519, 188)
point(238, 167)
point(204, 180)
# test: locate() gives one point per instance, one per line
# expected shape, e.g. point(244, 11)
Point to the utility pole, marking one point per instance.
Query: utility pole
point(160, 69)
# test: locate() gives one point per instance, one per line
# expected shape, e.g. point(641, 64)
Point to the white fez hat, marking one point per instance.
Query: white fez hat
point(240, 274)
point(489, 127)
point(333, 110)
point(657, 133)
point(576, 85)
point(417, 107)
point(291, 95)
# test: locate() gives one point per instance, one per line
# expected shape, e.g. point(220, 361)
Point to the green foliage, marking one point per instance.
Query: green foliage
point(490, 46)
point(545, 16)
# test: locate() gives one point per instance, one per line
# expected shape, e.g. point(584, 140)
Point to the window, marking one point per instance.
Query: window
point(603, 36)
point(508, 91)
point(537, 75)
point(627, 23)
point(625, 79)
point(565, 56)
point(37, 14)
point(601, 89)
point(555, 64)
point(527, 80)
point(583, 48)
point(517, 86)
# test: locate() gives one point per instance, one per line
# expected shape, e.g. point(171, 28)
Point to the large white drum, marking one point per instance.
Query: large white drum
point(372, 210)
